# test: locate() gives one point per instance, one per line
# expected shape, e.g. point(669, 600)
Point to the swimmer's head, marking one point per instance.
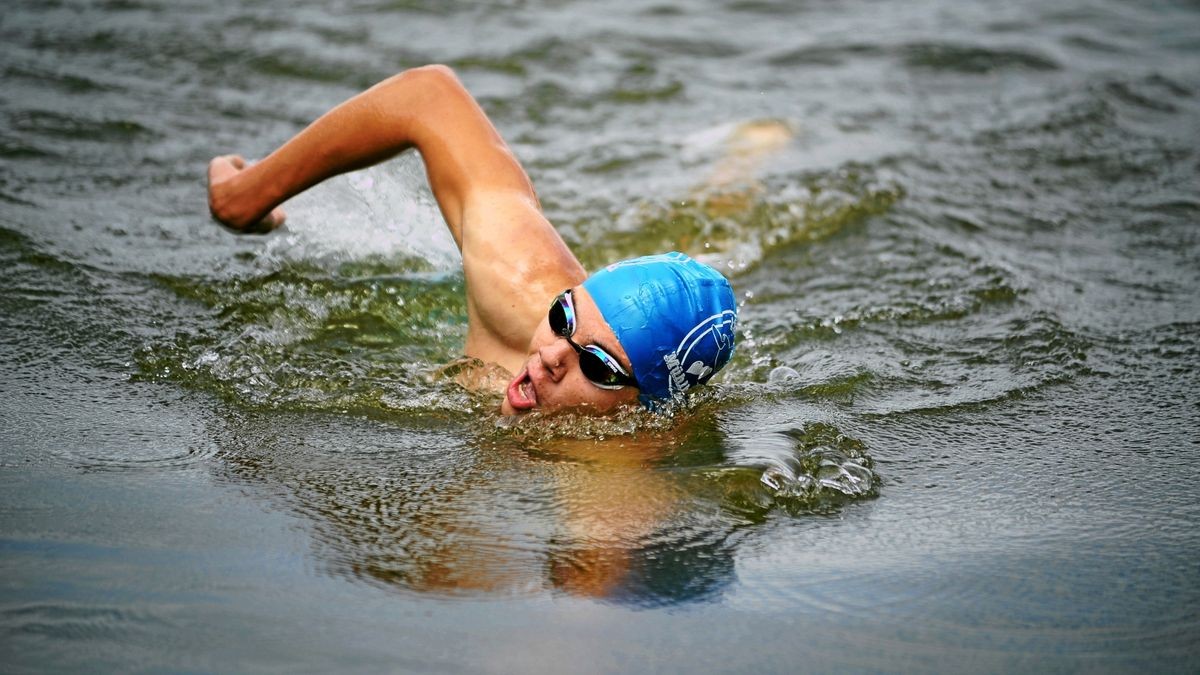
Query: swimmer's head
point(674, 317)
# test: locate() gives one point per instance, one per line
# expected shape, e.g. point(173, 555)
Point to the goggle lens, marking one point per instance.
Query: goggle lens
point(597, 365)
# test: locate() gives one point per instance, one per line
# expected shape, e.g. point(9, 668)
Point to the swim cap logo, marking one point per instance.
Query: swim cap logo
point(678, 381)
point(712, 342)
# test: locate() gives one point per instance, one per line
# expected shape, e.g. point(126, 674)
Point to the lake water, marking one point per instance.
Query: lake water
point(961, 431)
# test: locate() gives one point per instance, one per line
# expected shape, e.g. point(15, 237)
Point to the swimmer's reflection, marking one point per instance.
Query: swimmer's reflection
point(630, 535)
point(607, 519)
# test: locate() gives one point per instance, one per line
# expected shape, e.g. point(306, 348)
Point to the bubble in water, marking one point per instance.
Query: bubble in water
point(782, 373)
point(820, 473)
point(845, 475)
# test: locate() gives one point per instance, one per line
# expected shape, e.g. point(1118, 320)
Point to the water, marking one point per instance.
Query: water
point(959, 432)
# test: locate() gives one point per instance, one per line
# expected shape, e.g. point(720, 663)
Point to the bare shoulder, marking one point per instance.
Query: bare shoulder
point(514, 262)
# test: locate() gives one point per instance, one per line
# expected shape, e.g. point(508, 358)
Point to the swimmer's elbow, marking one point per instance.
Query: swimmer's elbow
point(426, 93)
point(433, 78)
point(438, 71)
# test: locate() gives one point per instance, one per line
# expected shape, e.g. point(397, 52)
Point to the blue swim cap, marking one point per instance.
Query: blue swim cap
point(675, 318)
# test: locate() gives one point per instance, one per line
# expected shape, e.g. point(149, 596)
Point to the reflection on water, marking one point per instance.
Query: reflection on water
point(602, 508)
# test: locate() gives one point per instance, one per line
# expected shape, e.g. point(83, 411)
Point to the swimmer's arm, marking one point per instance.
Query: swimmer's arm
point(513, 258)
point(426, 108)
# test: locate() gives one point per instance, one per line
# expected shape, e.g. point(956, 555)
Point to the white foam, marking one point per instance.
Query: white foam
point(386, 210)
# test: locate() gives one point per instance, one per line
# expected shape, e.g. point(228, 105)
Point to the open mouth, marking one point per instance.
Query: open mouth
point(521, 394)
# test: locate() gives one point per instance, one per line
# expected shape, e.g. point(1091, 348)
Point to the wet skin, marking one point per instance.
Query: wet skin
point(551, 378)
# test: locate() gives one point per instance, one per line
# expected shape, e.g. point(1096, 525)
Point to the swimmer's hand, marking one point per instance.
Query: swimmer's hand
point(227, 204)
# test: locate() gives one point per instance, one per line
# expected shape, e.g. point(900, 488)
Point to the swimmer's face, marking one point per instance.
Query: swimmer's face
point(551, 378)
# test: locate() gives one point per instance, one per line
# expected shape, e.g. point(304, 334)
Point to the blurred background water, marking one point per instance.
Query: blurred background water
point(960, 431)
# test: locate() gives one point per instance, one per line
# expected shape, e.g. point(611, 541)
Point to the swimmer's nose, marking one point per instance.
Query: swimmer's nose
point(556, 356)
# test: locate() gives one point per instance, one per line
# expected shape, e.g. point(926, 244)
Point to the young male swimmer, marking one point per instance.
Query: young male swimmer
point(645, 329)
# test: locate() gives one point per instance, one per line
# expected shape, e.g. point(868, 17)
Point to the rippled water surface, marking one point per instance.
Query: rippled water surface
point(960, 430)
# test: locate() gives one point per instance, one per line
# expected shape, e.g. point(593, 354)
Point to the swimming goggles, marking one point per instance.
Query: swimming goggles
point(598, 366)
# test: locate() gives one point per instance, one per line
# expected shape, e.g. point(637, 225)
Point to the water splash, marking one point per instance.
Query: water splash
point(383, 213)
point(369, 336)
point(824, 468)
point(805, 476)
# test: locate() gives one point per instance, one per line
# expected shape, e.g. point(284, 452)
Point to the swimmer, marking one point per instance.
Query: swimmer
point(641, 330)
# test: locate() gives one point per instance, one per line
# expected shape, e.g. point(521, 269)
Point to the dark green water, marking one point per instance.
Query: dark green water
point(960, 432)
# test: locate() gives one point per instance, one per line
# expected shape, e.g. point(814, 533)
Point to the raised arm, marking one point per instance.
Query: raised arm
point(425, 108)
point(513, 259)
